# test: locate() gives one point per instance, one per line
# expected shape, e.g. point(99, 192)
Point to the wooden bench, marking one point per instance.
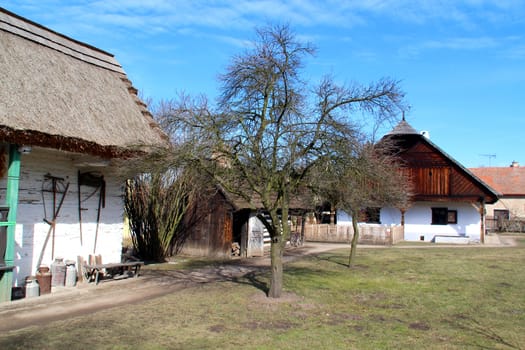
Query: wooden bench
point(6, 268)
point(93, 271)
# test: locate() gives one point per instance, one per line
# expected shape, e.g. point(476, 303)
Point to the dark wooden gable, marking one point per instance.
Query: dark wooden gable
point(435, 176)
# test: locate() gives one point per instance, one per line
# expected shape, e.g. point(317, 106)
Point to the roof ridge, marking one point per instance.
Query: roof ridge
point(403, 128)
point(39, 34)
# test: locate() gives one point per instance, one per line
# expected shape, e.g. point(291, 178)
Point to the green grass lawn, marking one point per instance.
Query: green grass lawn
point(394, 298)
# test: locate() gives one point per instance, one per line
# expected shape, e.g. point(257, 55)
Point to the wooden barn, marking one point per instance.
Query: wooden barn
point(210, 233)
point(68, 117)
point(226, 226)
point(448, 202)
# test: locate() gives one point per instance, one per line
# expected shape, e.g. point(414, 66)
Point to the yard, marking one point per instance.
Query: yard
point(394, 298)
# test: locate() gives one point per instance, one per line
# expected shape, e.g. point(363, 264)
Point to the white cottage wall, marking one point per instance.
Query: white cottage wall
point(31, 230)
point(343, 218)
point(390, 216)
point(418, 221)
point(256, 233)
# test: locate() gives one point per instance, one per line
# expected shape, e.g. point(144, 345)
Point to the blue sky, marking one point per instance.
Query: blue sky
point(460, 63)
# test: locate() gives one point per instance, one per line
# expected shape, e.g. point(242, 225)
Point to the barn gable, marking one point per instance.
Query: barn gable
point(434, 174)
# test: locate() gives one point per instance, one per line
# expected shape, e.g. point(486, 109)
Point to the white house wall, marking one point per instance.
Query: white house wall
point(343, 218)
point(31, 230)
point(256, 233)
point(418, 221)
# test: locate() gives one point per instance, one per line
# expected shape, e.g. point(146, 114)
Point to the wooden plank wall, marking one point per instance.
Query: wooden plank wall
point(436, 177)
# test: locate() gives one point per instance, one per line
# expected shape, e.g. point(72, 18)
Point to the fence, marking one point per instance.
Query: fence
point(368, 233)
point(504, 225)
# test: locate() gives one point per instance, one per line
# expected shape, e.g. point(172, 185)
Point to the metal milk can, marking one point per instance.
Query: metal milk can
point(32, 288)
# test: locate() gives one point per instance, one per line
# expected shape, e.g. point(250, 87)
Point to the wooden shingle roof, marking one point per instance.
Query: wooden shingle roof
point(60, 93)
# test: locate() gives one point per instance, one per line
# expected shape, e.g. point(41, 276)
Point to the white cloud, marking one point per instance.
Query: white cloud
point(414, 50)
point(462, 43)
point(235, 14)
point(514, 52)
point(232, 20)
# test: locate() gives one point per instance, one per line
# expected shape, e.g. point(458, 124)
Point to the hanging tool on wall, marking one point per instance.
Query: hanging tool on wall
point(58, 188)
point(96, 181)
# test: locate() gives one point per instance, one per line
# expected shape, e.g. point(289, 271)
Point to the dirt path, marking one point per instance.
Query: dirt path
point(90, 298)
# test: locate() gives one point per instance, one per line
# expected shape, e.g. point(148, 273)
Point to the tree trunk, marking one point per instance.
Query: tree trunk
point(276, 281)
point(355, 238)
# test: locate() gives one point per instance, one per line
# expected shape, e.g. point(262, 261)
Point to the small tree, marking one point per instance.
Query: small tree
point(369, 178)
point(270, 129)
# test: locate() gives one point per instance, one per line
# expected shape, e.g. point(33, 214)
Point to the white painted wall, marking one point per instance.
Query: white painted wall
point(256, 233)
point(31, 230)
point(343, 218)
point(418, 221)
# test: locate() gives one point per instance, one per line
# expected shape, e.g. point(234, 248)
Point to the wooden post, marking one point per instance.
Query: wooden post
point(13, 178)
point(403, 211)
point(482, 215)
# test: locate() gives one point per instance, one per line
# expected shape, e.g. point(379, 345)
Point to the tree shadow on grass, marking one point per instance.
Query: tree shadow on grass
point(338, 259)
point(235, 271)
point(212, 273)
point(254, 279)
point(470, 324)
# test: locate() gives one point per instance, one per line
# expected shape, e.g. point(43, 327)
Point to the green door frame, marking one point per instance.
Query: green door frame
point(13, 179)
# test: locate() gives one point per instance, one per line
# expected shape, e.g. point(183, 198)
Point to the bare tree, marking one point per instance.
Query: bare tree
point(270, 128)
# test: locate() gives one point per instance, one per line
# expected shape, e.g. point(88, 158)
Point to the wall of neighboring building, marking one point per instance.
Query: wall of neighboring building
point(514, 205)
point(31, 230)
point(418, 221)
point(506, 215)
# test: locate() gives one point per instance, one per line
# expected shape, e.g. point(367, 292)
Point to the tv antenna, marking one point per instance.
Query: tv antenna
point(489, 156)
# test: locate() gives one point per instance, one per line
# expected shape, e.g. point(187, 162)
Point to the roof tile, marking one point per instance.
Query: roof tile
point(509, 181)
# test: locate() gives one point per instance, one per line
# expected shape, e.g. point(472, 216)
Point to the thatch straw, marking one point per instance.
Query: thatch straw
point(60, 93)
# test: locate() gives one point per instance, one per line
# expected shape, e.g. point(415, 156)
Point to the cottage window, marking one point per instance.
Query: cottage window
point(501, 218)
point(372, 215)
point(443, 216)
point(452, 217)
point(439, 216)
point(501, 214)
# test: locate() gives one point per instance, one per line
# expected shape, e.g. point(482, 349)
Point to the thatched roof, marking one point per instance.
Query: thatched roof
point(60, 93)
